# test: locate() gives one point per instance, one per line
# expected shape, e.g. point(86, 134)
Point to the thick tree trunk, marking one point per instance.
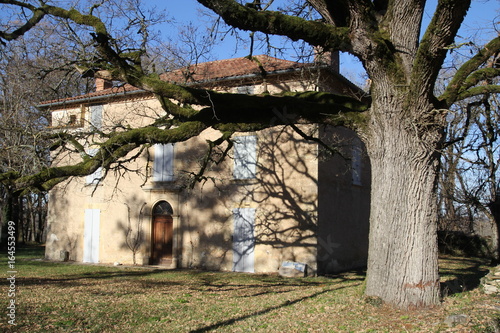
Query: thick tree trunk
point(403, 254)
point(10, 213)
point(494, 207)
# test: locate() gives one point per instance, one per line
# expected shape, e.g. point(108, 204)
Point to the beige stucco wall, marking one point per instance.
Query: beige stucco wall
point(286, 183)
point(294, 190)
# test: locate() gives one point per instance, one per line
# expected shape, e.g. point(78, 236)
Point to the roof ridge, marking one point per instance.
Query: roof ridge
point(204, 72)
point(232, 67)
point(239, 58)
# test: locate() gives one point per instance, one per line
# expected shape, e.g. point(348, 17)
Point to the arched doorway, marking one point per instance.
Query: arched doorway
point(162, 234)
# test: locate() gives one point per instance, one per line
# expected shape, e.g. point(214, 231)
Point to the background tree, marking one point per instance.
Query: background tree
point(39, 67)
point(469, 180)
point(33, 69)
point(403, 125)
point(478, 172)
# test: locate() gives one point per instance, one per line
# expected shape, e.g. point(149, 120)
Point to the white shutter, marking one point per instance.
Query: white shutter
point(158, 162)
point(163, 165)
point(91, 235)
point(245, 90)
point(96, 116)
point(243, 240)
point(96, 176)
point(245, 157)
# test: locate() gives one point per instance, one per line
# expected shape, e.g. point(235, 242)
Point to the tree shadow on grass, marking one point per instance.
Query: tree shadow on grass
point(79, 279)
point(461, 274)
point(262, 312)
point(220, 281)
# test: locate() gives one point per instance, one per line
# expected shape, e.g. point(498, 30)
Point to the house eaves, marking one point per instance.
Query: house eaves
point(92, 98)
point(227, 72)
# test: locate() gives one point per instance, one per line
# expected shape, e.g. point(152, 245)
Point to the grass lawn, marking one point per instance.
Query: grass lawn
point(65, 297)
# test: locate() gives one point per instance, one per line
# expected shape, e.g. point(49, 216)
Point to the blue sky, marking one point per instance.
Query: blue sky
point(477, 23)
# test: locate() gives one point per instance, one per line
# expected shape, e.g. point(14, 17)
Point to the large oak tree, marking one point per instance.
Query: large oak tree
point(402, 125)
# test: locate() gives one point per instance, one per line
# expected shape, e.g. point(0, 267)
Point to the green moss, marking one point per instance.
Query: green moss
point(274, 22)
point(185, 111)
point(386, 55)
point(75, 16)
point(479, 75)
point(240, 127)
point(357, 121)
point(325, 98)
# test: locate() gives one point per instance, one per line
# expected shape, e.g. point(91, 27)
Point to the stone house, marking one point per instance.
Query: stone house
point(276, 198)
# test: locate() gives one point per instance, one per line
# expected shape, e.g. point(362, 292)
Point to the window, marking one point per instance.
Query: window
point(96, 116)
point(245, 157)
point(91, 235)
point(163, 208)
point(95, 177)
point(163, 165)
point(72, 120)
point(243, 239)
point(245, 90)
point(356, 165)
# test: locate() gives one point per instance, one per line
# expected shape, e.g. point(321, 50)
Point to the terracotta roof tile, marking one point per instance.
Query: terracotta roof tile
point(221, 69)
point(123, 89)
point(203, 72)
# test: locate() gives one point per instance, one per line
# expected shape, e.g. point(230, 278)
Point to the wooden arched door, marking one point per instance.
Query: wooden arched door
point(162, 234)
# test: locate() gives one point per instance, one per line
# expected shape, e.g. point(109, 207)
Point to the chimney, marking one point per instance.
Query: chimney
point(101, 84)
point(329, 58)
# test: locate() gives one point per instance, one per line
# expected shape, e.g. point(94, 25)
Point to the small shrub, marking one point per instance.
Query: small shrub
point(461, 244)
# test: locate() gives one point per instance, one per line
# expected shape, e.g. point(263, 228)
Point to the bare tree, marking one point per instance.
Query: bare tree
point(468, 182)
point(403, 124)
point(30, 65)
point(470, 174)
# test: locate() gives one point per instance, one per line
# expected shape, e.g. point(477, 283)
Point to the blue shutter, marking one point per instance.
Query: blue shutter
point(96, 116)
point(163, 165)
point(243, 239)
point(245, 157)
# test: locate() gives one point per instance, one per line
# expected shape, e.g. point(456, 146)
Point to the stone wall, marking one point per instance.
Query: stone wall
point(491, 282)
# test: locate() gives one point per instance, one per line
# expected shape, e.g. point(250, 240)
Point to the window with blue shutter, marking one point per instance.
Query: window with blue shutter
point(163, 165)
point(96, 116)
point(245, 157)
point(243, 239)
point(356, 163)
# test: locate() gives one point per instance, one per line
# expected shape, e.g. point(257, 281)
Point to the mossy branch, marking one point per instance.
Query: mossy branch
point(62, 139)
point(222, 111)
point(38, 15)
point(110, 151)
point(465, 77)
point(483, 74)
point(480, 90)
point(276, 23)
point(432, 50)
point(304, 106)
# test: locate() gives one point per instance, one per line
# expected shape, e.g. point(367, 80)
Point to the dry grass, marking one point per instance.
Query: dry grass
point(58, 297)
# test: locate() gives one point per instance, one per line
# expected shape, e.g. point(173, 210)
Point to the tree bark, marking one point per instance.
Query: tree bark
point(494, 207)
point(403, 252)
point(11, 213)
